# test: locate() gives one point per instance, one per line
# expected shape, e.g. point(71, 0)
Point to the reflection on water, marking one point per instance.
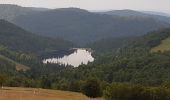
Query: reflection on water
point(80, 56)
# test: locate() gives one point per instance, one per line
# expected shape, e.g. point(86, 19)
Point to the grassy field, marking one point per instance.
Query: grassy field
point(39, 94)
point(164, 46)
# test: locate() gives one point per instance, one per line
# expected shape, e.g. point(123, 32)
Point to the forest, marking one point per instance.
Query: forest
point(127, 70)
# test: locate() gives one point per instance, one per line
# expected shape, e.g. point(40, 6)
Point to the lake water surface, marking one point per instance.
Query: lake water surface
point(78, 57)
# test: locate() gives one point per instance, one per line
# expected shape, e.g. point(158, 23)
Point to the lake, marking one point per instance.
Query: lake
point(78, 57)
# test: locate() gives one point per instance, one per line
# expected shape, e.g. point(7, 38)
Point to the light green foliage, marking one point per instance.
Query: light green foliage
point(164, 46)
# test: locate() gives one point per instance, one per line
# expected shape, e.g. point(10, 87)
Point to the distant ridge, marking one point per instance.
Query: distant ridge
point(129, 13)
point(16, 38)
point(75, 24)
point(80, 25)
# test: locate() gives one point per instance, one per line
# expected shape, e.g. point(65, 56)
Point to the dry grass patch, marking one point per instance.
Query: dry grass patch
point(40, 94)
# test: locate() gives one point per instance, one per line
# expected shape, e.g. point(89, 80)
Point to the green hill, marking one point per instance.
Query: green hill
point(18, 66)
point(10, 12)
point(80, 25)
point(132, 63)
point(20, 48)
point(109, 44)
point(15, 38)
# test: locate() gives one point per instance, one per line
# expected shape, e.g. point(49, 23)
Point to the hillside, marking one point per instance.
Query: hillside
point(75, 24)
point(164, 46)
point(157, 13)
point(15, 38)
point(6, 65)
point(10, 12)
point(154, 40)
point(132, 13)
point(132, 67)
point(80, 25)
point(18, 66)
point(109, 44)
point(40, 94)
point(125, 12)
point(133, 63)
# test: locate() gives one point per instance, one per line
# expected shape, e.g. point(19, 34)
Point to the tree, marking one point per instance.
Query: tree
point(2, 80)
point(91, 88)
point(46, 83)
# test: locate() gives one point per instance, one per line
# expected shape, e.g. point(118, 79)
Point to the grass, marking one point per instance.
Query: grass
point(9, 93)
point(164, 46)
point(18, 66)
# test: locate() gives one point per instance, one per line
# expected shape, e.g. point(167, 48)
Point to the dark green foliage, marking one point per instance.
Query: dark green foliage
point(46, 83)
point(23, 58)
point(2, 80)
point(135, 92)
point(110, 44)
point(6, 66)
point(151, 39)
point(91, 88)
point(133, 64)
point(75, 86)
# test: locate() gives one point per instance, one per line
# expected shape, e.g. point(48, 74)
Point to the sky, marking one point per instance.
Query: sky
point(97, 5)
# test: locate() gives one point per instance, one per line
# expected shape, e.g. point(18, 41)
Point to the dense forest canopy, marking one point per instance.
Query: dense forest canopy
point(130, 63)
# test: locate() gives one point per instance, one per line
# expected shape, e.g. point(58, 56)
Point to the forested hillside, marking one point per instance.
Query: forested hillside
point(15, 38)
point(130, 68)
point(110, 44)
point(10, 12)
point(80, 25)
point(125, 65)
point(131, 13)
point(164, 46)
point(76, 24)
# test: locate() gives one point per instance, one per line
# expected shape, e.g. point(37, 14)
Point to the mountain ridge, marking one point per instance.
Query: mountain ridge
point(84, 26)
point(18, 39)
point(75, 24)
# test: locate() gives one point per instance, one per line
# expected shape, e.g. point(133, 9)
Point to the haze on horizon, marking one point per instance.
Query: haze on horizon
point(96, 5)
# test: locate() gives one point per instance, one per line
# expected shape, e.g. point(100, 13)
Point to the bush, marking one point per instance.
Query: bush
point(135, 92)
point(92, 89)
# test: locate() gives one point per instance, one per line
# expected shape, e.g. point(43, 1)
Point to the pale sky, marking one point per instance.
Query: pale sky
point(150, 5)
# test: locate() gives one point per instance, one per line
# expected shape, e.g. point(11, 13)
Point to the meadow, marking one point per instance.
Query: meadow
point(9, 93)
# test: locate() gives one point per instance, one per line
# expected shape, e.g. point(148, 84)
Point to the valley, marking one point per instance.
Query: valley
point(77, 54)
point(82, 26)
